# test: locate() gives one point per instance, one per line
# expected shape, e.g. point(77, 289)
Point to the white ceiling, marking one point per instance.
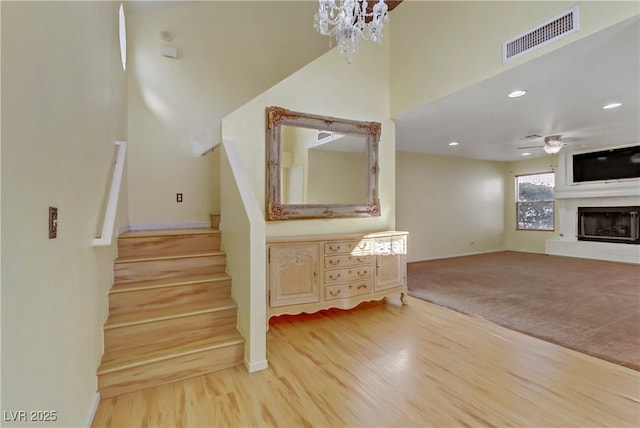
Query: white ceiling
point(566, 90)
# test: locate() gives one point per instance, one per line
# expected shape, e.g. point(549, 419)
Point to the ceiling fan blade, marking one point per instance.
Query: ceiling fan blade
point(529, 147)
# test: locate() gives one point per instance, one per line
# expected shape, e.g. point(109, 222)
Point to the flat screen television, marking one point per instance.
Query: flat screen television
point(610, 164)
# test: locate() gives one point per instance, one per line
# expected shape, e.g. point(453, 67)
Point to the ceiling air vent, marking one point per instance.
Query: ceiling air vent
point(550, 30)
point(321, 136)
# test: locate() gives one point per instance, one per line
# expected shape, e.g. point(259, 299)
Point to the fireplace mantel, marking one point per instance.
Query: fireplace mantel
point(598, 190)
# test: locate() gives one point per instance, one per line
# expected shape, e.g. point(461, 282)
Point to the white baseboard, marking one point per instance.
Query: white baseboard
point(458, 255)
point(255, 366)
point(124, 229)
point(161, 226)
point(94, 409)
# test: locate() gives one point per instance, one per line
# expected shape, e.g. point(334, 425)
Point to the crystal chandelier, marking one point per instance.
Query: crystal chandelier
point(348, 22)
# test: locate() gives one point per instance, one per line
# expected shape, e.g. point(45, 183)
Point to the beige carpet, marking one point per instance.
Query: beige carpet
point(590, 306)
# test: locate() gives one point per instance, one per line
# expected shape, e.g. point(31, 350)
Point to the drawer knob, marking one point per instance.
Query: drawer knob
point(332, 248)
point(334, 277)
point(362, 273)
point(362, 286)
point(334, 262)
point(334, 293)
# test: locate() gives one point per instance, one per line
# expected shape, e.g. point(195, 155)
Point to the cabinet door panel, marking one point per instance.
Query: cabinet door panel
point(293, 274)
point(390, 258)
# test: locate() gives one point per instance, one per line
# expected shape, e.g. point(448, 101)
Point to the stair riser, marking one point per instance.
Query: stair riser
point(166, 297)
point(172, 370)
point(208, 324)
point(168, 245)
point(171, 268)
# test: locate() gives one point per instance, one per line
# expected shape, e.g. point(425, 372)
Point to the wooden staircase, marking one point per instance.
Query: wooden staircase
point(171, 315)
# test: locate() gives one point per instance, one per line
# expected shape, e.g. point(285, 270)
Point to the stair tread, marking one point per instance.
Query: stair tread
point(120, 359)
point(121, 320)
point(132, 259)
point(168, 232)
point(168, 282)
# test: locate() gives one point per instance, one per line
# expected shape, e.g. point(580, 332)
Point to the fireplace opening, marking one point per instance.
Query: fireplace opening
point(609, 224)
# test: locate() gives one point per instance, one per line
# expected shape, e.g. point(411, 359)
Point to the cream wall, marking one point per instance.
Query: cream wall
point(63, 106)
point(439, 47)
point(227, 54)
point(315, 89)
point(530, 241)
point(450, 206)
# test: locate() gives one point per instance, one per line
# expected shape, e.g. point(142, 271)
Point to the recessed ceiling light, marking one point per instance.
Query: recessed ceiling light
point(453, 143)
point(612, 105)
point(516, 94)
point(526, 154)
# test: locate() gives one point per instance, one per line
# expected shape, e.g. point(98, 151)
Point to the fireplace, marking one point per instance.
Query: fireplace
point(609, 224)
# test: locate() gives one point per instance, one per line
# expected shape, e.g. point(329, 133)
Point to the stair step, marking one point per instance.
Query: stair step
point(168, 242)
point(134, 269)
point(169, 282)
point(122, 359)
point(156, 295)
point(125, 371)
point(158, 326)
point(139, 259)
point(122, 320)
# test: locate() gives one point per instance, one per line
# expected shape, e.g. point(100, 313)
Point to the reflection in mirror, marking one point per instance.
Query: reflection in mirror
point(320, 166)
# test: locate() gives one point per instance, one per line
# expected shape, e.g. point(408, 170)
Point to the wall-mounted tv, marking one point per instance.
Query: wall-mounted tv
point(610, 164)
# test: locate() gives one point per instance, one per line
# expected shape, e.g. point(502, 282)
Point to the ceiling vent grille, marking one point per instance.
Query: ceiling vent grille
point(321, 136)
point(550, 30)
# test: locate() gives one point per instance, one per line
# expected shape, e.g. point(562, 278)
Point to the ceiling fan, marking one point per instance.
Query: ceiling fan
point(552, 144)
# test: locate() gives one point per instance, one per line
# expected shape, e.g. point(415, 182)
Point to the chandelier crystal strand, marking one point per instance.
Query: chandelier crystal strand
point(347, 22)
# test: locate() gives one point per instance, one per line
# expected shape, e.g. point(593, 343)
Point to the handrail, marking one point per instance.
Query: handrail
point(106, 236)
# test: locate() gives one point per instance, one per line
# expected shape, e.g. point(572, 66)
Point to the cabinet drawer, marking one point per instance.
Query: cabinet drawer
point(343, 260)
point(341, 291)
point(334, 276)
point(355, 247)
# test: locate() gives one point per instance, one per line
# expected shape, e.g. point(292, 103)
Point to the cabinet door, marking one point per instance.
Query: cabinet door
point(391, 262)
point(293, 274)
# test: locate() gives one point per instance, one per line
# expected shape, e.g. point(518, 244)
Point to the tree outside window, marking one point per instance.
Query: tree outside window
point(534, 201)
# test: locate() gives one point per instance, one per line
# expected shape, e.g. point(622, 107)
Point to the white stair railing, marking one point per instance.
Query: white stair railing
point(106, 236)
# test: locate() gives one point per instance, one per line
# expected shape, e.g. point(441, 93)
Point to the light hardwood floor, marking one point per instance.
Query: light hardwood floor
point(385, 365)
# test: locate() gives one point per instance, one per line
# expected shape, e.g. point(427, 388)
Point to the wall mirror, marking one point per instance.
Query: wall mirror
point(320, 166)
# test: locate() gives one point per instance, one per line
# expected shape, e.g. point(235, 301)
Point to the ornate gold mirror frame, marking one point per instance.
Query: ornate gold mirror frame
point(277, 117)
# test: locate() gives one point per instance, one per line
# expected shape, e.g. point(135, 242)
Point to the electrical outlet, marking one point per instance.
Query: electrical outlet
point(178, 197)
point(53, 222)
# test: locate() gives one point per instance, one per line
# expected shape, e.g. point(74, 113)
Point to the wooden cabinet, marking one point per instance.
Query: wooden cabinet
point(390, 255)
point(311, 273)
point(293, 274)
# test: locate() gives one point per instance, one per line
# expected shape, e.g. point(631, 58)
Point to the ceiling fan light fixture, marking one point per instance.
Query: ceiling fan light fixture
point(552, 144)
point(552, 150)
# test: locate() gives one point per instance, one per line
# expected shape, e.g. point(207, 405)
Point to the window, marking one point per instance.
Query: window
point(534, 201)
point(123, 37)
